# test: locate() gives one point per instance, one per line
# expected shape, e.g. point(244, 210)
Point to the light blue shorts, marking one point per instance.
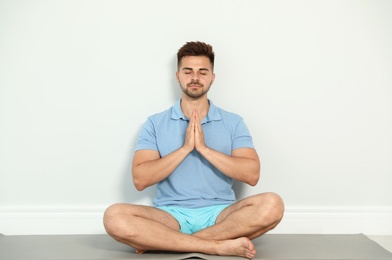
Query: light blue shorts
point(193, 220)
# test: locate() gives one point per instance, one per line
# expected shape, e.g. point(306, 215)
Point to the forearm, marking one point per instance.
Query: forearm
point(242, 168)
point(149, 172)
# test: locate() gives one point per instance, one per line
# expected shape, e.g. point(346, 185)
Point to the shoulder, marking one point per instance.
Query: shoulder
point(228, 116)
point(232, 121)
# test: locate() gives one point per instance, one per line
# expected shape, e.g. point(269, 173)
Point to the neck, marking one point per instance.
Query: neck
point(189, 105)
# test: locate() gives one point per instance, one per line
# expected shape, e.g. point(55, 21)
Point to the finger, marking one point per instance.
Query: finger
point(190, 134)
point(194, 115)
point(197, 116)
point(196, 121)
point(190, 125)
point(198, 128)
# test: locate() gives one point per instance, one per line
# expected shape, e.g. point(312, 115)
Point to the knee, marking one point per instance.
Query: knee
point(112, 219)
point(271, 207)
point(276, 206)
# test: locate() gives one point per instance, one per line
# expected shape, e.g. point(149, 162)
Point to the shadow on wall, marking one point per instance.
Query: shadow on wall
point(129, 193)
point(173, 81)
point(239, 189)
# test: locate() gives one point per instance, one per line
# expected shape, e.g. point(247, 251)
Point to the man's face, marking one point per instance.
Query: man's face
point(195, 76)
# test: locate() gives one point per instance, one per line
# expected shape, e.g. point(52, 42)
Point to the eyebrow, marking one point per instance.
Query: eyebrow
point(187, 68)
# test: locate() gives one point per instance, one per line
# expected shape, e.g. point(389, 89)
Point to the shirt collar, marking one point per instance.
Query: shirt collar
point(212, 115)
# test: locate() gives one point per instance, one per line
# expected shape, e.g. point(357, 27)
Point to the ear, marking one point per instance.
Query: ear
point(177, 76)
point(213, 78)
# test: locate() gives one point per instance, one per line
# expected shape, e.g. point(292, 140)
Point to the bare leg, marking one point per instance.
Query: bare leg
point(147, 228)
point(250, 217)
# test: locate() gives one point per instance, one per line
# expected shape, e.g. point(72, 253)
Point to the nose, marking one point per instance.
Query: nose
point(195, 77)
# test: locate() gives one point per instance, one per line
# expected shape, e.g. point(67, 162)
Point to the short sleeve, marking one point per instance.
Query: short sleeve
point(242, 137)
point(147, 139)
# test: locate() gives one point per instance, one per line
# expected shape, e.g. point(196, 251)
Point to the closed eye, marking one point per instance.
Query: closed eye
point(187, 70)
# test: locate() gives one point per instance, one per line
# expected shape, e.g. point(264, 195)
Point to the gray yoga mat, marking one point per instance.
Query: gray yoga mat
point(269, 246)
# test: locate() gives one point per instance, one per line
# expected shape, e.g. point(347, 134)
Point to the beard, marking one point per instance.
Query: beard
point(195, 90)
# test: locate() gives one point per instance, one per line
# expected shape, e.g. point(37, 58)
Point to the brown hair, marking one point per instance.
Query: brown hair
point(195, 49)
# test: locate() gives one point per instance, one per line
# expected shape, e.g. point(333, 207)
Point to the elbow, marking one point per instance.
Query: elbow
point(138, 181)
point(254, 180)
point(255, 170)
point(139, 185)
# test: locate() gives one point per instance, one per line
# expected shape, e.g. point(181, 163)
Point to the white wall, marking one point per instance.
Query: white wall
point(312, 79)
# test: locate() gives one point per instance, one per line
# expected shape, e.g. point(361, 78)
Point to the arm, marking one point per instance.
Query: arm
point(243, 164)
point(148, 168)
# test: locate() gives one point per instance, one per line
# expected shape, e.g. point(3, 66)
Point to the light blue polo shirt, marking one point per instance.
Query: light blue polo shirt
point(195, 182)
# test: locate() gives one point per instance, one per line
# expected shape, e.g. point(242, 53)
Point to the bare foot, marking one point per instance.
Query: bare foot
point(138, 251)
point(237, 247)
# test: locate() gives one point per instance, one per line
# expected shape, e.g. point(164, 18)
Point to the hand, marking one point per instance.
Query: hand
point(189, 143)
point(199, 134)
point(194, 137)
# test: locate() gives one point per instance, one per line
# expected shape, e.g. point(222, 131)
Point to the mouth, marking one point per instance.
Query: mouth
point(194, 85)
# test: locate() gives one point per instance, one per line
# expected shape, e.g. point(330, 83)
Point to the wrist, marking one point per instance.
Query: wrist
point(203, 149)
point(186, 150)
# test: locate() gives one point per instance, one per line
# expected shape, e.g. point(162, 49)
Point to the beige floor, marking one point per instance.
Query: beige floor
point(384, 241)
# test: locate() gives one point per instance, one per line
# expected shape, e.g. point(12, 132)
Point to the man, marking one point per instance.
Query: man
point(193, 152)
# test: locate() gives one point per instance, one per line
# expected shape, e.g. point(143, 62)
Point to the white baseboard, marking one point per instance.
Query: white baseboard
point(297, 220)
point(336, 220)
point(51, 221)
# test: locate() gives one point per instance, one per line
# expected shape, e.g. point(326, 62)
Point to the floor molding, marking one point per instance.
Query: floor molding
point(51, 221)
point(297, 220)
point(336, 220)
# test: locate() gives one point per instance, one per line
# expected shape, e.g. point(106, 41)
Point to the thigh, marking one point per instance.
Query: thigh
point(262, 200)
point(147, 212)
